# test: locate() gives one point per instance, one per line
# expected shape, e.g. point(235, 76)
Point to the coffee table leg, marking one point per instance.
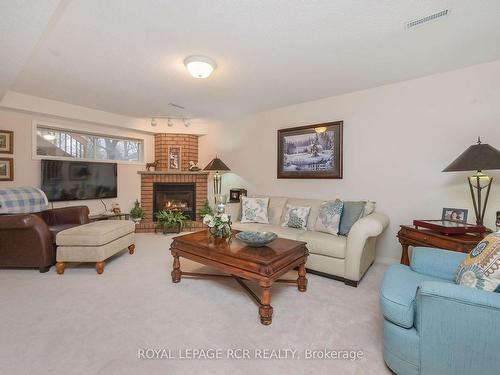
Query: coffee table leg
point(302, 281)
point(265, 309)
point(176, 272)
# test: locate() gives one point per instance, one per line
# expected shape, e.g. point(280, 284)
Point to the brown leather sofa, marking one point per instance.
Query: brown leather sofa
point(28, 240)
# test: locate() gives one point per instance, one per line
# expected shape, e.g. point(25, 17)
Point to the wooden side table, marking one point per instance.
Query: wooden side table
point(410, 236)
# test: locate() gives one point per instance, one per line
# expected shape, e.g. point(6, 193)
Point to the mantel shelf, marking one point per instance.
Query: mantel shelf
point(172, 173)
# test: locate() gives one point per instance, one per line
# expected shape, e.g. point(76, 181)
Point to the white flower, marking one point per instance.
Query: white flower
point(207, 219)
point(224, 218)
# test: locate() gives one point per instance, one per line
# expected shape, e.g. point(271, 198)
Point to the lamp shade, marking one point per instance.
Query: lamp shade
point(216, 165)
point(479, 157)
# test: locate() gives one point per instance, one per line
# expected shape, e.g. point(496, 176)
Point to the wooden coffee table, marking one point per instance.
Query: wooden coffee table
point(264, 265)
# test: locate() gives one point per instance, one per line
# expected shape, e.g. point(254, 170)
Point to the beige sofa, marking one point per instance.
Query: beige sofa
point(344, 258)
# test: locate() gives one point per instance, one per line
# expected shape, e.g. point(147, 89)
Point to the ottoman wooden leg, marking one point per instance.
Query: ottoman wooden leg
point(99, 266)
point(131, 249)
point(60, 266)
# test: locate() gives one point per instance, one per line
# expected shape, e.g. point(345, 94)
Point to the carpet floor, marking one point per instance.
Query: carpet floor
point(84, 323)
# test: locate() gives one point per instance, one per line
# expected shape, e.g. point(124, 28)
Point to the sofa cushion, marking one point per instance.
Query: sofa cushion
point(398, 292)
point(481, 268)
point(351, 212)
point(325, 244)
point(313, 213)
point(254, 227)
point(254, 210)
point(95, 234)
point(285, 232)
point(296, 217)
point(328, 220)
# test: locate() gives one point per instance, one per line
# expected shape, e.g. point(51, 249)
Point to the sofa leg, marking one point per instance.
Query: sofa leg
point(44, 269)
point(60, 266)
point(99, 266)
point(131, 249)
point(351, 283)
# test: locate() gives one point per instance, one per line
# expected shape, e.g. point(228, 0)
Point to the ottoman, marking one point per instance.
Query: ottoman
point(94, 242)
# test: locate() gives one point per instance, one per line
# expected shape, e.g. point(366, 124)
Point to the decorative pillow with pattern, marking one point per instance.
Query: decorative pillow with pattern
point(481, 268)
point(328, 220)
point(296, 217)
point(254, 210)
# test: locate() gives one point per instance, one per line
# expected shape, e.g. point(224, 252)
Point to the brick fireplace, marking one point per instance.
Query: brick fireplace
point(181, 188)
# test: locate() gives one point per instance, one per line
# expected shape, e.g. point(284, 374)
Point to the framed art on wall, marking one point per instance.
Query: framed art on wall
point(174, 158)
point(6, 169)
point(312, 151)
point(6, 142)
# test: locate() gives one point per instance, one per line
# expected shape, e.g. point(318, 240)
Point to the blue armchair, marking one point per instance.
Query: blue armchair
point(432, 325)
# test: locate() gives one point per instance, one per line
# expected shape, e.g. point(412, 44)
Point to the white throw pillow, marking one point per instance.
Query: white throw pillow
point(296, 217)
point(254, 210)
point(328, 220)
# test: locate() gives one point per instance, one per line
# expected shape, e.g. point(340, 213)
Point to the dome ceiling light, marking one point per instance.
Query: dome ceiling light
point(200, 66)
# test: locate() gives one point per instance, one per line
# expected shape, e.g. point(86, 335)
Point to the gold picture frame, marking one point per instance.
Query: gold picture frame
point(6, 169)
point(6, 142)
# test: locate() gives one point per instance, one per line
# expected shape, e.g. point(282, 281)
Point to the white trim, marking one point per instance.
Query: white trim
point(71, 128)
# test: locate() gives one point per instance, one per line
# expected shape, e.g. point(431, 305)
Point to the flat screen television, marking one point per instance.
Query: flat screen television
point(78, 180)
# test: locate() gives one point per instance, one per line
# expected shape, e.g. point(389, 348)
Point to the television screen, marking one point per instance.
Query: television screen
point(77, 180)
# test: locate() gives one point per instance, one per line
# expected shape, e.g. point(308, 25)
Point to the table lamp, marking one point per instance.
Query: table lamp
point(217, 165)
point(478, 157)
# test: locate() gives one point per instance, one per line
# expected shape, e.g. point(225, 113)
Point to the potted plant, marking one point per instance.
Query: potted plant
point(171, 221)
point(219, 226)
point(137, 213)
point(205, 210)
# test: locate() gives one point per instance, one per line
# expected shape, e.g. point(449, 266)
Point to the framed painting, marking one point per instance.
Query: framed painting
point(6, 142)
point(6, 169)
point(312, 151)
point(174, 158)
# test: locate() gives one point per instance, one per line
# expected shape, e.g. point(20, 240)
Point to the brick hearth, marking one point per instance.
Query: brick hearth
point(189, 152)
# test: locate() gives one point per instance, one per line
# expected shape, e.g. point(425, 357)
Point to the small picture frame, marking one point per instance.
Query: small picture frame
point(455, 214)
point(6, 142)
point(6, 169)
point(174, 158)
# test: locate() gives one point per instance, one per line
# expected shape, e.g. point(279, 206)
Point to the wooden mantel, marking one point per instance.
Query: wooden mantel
point(172, 173)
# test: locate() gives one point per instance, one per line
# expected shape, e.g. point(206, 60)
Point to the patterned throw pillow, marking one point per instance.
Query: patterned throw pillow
point(328, 220)
point(481, 268)
point(296, 217)
point(254, 210)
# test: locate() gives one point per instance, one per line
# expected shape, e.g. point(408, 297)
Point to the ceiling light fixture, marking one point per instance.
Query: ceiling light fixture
point(153, 122)
point(200, 66)
point(187, 124)
point(170, 123)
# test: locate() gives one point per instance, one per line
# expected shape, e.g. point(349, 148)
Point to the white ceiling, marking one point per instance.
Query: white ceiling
point(126, 56)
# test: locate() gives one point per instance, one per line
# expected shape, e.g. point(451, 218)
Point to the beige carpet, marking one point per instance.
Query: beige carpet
point(82, 323)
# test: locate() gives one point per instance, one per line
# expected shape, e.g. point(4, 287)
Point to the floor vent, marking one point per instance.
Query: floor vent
point(412, 24)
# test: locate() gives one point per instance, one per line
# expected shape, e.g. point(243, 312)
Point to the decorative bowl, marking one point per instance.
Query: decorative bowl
point(256, 239)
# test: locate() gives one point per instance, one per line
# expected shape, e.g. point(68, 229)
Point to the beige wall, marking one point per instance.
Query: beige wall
point(27, 170)
point(397, 139)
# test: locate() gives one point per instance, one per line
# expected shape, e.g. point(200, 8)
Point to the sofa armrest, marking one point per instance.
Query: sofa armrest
point(458, 329)
point(363, 229)
point(234, 209)
point(436, 262)
point(66, 215)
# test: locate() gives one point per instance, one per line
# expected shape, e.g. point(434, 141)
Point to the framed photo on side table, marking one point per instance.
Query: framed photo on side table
point(312, 151)
point(455, 214)
point(6, 142)
point(6, 169)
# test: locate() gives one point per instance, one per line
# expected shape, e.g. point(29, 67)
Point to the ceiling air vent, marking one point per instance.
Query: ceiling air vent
point(412, 24)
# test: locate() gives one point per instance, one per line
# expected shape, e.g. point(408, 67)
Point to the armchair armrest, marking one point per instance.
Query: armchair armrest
point(67, 215)
point(357, 251)
point(458, 329)
point(436, 262)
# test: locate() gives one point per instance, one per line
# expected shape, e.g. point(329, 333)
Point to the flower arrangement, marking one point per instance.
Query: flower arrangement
point(219, 226)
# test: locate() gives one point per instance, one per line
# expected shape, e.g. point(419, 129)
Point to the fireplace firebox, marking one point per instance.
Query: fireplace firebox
point(175, 197)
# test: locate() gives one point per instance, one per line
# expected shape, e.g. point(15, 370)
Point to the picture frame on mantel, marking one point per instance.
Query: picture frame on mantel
point(174, 158)
point(6, 142)
point(311, 151)
point(6, 169)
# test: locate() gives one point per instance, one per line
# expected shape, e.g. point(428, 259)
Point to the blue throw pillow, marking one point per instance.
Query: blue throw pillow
point(351, 213)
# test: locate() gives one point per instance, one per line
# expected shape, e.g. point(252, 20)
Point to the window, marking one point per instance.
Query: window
point(70, 144)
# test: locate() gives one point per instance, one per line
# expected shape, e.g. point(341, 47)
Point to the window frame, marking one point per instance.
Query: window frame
point(66, 128)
